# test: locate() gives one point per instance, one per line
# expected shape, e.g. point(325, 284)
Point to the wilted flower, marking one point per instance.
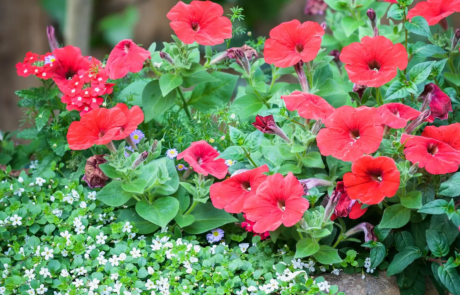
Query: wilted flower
point(52, 38)
point(366, 228)
point(346, 207)
point(315, 7)
point(94, 176)
point(440, 103)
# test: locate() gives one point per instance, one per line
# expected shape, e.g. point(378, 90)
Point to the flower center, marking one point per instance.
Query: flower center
point(374, 65)
point(136, 136)
point(200, 161)
point(377, 177)
point(354, 134)
point(246, 186)
point(216, 234)
point(195, 26)
point(282, 205)
point(127, 46)
point(432, 149)
point(69, 75)
point(299, 48)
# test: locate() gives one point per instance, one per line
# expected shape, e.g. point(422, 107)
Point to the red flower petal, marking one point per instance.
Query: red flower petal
point(134, 117)
point(372, 179)
point(356, 211)
point(278, 201)
point(231, 194)
point(202, 158)
point(374, 61)
point(126, 57)
point(201, 21)
point(448, 134)
point(396, 115)
point(434, 10)
point(291, 42)
point(309, 106)
point(350, 133)
point(435, 156)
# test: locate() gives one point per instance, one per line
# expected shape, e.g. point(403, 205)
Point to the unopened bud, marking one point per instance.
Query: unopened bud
point(154, 146)
point(140, 159)
point(366, 228)
point(221, 57)
point(249, 34)
point(324, 26)
point(455, 39)
point(359, 89)
point(317, 127)
point(371, 15)
point(413, 169)
point(417, 122)
point(303, 224)
point(52, 38)
point(167, 57)
point(376, 31)
point(336, 54)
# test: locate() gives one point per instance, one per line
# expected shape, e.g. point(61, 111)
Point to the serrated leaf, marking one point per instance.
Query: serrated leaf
point(42, 119)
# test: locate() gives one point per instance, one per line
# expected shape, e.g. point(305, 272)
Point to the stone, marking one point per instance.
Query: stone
point(354, 284)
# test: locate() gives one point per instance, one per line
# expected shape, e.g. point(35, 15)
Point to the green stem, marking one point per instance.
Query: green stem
point(406, 36)
point(191, 208)
point(248, 155)
point(300, 233)
point(378, 97)
point(185, 107)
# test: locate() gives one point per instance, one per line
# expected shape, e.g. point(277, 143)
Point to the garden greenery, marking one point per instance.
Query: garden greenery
point(321, 148)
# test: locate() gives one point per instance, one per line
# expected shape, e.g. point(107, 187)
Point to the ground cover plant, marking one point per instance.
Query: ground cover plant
point(321, 148)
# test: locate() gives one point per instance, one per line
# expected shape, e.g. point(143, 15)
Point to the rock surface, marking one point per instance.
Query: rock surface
point(355, 285)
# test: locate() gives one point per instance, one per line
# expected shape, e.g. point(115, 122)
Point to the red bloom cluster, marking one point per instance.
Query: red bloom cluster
point(309, 106)
point(350, 133)
point(200, 21)
point(248, 225)
point(101, 126)
point(82, 80)
point(36, 64)
point(201, 156)
point(372, 179)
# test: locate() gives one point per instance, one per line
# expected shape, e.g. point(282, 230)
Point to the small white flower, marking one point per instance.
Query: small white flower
point(131, 236)
point(324, 286)
point(150, 285)
point(172, 153)
point(232, 116)
point(30, 291)
point(127, 227)
point(122, 257)
point(45, 272)
point(229, 162)
point(336, 271)
point(39, 181)
point(92, 196)
point(93, 284)
point(64, 273)
point(42, 289)
point(47, 253)
point(114, 260)
point(83, 205)
point(244, 247)
point(157, 64)
point(16, 220)
point(19, 191)
point(150, 270)
point(136, 253)
point(78, 283)
point(100, 239)
point(20, 179)
point(114, 276)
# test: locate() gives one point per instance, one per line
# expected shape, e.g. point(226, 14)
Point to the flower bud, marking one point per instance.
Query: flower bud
point(336, 54)
point(140, 159)
point(371, 15)
point(243, 56)
point(366, 228)
point(440, 103)
point(301, 75)
point(167, 57)
point(310, 183)
point(417, 122)
point(221, 57)
point(455, 39)
point(324, 26)
point(317, 127)
point(52, 38)
point(413, 169)
point(154, 146)
point(315, 7)
point(94, 176)
point(359, 89)
point(268, 125)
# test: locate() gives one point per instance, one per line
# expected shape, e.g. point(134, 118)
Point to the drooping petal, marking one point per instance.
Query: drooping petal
point(134, 117)
point(309, 106)
point(125, 57)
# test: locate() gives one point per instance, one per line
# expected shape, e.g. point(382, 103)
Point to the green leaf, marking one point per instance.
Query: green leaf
point(395, 216)
point(154, 104)
point(403, 259)
point(333, 93)
point(403, 239)
point(232, 153)
point(161, 174)
point(451, 187)
point(152, 48)
point(207, 218)
point(236, 136)
point(450, 278)
point(442, 224)
point(395, 12)
point(412, 200)
point(253, 140)
point(113, 194)
point(453, 78)
point(133, 92)
point(420, 72)
point(339, 5)
point(42, 119)
point(306, 247)
point(396, 90)
point(437, 242)
point(184, 220)
point(313, 160)
point(435, 207)
point(206, 96)
point(350, 25)
point(429, 50)
point(419, 26)
point(247, 106)
point(145, 227)
point(136, 186)
point(160, 212)
point(169, 82)
point(110, 171)
point(327, 255)
point(195, 75)
point(30, 133)
point(377, 255)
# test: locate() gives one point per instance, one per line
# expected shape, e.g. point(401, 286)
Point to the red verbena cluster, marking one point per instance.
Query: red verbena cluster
point(248, 226)
point(36, 64)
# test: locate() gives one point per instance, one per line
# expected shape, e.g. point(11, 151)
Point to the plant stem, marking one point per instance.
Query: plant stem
point(191, 208)
point(185, 107)
point(248, 155)
point(300, 233)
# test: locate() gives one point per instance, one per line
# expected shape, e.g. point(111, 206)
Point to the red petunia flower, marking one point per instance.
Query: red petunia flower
point(435, 156)
point(134, 117)
point(125, 57)
point(350, 133)
point(434, 11)
point(232, 193)
point(447, 134)
point(374, 61)
point(69, 61)
point(291, 42)
point(200, 21)
point(396, 115)
point(346, 207)
point(248, 226)
point(440, 103)
point(372, 179)
point(202, 158)
point(96, 127)
point(309, 106)
point(278, 201)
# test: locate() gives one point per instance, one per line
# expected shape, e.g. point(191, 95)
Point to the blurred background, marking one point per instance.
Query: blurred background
point(97, 25)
